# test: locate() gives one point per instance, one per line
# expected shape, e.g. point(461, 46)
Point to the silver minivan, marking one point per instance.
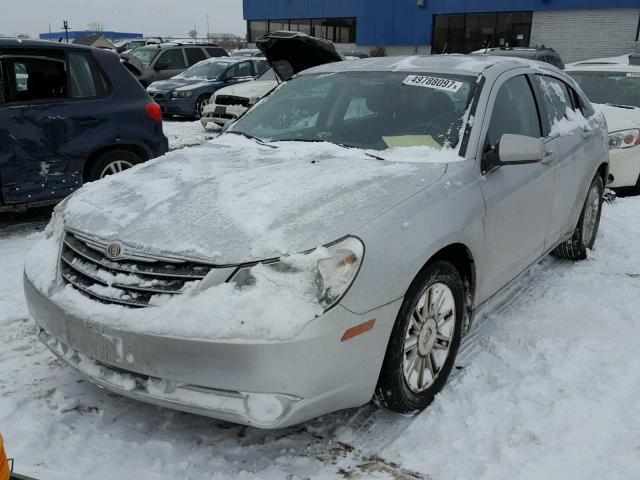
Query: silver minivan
point(331, 247)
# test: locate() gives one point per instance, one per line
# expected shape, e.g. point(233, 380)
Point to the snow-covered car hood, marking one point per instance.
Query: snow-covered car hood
point(179, 82)
point(233, 200)
point(619, 118)
point(255, 89)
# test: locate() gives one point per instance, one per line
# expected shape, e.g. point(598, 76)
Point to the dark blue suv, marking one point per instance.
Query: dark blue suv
point(68, 115)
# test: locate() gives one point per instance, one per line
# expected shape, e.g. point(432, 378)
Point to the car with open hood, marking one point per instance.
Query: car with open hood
point(330, 247)
point(188, 93)
point(297, 50)
point(613, 85)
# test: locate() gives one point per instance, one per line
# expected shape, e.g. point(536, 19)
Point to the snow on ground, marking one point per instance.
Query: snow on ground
point(546, 387)
point(186, 133)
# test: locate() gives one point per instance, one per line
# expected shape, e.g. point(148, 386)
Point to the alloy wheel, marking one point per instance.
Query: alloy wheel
point(590, 219)
point(429, 337)
point(114, 167)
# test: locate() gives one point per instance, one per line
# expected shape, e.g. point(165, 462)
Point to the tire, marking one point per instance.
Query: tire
point(405, 393)
point(584, 236)
point(200, 103)
point(112, 162)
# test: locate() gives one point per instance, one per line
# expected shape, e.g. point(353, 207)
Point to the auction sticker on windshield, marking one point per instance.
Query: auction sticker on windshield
point(433, 82)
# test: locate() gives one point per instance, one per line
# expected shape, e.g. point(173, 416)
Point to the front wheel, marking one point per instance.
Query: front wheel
point(199, 107)
point(584, 236)
point(424, 341)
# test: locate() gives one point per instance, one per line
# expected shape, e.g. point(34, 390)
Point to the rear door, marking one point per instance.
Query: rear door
point(569, 138)
point(518, 198)
point(51, 121)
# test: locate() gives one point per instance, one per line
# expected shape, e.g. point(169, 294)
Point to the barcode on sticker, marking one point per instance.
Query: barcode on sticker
point(633, 74)
point(433, 82)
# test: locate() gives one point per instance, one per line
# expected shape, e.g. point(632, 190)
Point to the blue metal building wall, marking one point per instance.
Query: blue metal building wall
point(401, 22)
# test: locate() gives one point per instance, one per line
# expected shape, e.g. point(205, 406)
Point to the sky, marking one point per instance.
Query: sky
point(150, 17)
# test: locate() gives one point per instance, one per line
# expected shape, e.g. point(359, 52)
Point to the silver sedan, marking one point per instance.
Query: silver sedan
point(331, 247)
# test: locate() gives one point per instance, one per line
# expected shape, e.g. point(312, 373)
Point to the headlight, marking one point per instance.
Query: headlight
point(325, 273)
point(624, 139)
point(182, 93)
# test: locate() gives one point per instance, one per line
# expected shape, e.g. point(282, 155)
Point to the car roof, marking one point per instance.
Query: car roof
point(16, 42)
point(456, 64)
point(608, 64)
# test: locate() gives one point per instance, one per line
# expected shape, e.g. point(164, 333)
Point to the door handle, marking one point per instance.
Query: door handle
point(588, 132)
point(88, 120)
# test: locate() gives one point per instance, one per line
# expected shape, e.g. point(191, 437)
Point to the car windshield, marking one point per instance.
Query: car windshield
point(615, 88)
point(145, 55)
point(268, 75)
point(207, 69)
point(369, 110)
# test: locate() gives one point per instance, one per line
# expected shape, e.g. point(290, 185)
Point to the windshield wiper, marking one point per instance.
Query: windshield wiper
point(628, 107)
point(343, 145)
point(251, 137)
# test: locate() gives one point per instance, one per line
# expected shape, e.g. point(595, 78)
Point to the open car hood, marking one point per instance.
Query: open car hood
point(292, 52)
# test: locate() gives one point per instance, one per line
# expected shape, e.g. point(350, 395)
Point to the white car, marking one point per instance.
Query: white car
point(231, 102)
point(613, 85)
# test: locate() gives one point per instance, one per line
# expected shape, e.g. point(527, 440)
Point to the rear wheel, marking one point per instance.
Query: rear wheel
point(584, 236)
point(424, 342)
point(112, 162)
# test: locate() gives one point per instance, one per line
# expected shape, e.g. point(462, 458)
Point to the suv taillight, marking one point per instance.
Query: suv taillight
point(153, 110)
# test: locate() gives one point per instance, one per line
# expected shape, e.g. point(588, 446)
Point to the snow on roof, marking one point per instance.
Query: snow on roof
point(453, 63)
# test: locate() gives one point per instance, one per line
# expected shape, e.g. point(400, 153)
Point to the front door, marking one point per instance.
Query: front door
point(169, 64)
point(518, 198)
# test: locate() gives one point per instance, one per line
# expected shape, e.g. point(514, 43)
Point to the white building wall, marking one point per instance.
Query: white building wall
point(583, 34)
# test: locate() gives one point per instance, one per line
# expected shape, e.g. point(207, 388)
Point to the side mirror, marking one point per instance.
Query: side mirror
point(161, 66)
point(515, 150)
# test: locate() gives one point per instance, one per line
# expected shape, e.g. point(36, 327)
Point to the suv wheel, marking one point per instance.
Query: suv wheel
point(424, 341)
point(584, 236)
point(112, 162)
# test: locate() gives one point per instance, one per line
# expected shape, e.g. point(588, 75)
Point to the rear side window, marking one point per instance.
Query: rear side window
point(558, 97)
point(171, 59)
point(35, 78)
point(514, 112)
point(85, 79)
point(216, 52)
point(195, 55)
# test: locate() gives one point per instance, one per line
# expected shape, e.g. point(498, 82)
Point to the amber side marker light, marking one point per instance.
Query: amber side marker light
point(4, 463)
point(357, 330)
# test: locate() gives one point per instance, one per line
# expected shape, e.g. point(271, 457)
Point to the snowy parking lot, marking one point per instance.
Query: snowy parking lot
point(546, 386)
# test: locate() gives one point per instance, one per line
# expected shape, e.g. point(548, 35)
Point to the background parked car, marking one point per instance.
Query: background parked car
point(247, 52)
point(186, 94)
point(159, 62)
point(68, 114)
point(126, 46)
point(229, 103)
point(541, 54)
point(613, 85)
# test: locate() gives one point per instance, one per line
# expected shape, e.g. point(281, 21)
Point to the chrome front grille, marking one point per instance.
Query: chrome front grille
point(134, 281)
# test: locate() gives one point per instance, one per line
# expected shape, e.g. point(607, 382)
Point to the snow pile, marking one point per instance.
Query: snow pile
point(186, 134)
point(569, 123)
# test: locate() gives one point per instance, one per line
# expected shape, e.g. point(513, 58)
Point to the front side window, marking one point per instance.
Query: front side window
point(557, 96)
point(240, 70)
point(514, 112)
point(369, 110)
point(171, 59)
point(36, 78)
point(615, 88)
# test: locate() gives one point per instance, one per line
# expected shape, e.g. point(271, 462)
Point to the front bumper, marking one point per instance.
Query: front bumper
point(177, 106)
point(269, 385)
point(221, 114)
point(624, 167)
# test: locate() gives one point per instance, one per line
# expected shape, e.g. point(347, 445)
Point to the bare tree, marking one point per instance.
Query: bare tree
point(95, 27)
point(193, 34)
